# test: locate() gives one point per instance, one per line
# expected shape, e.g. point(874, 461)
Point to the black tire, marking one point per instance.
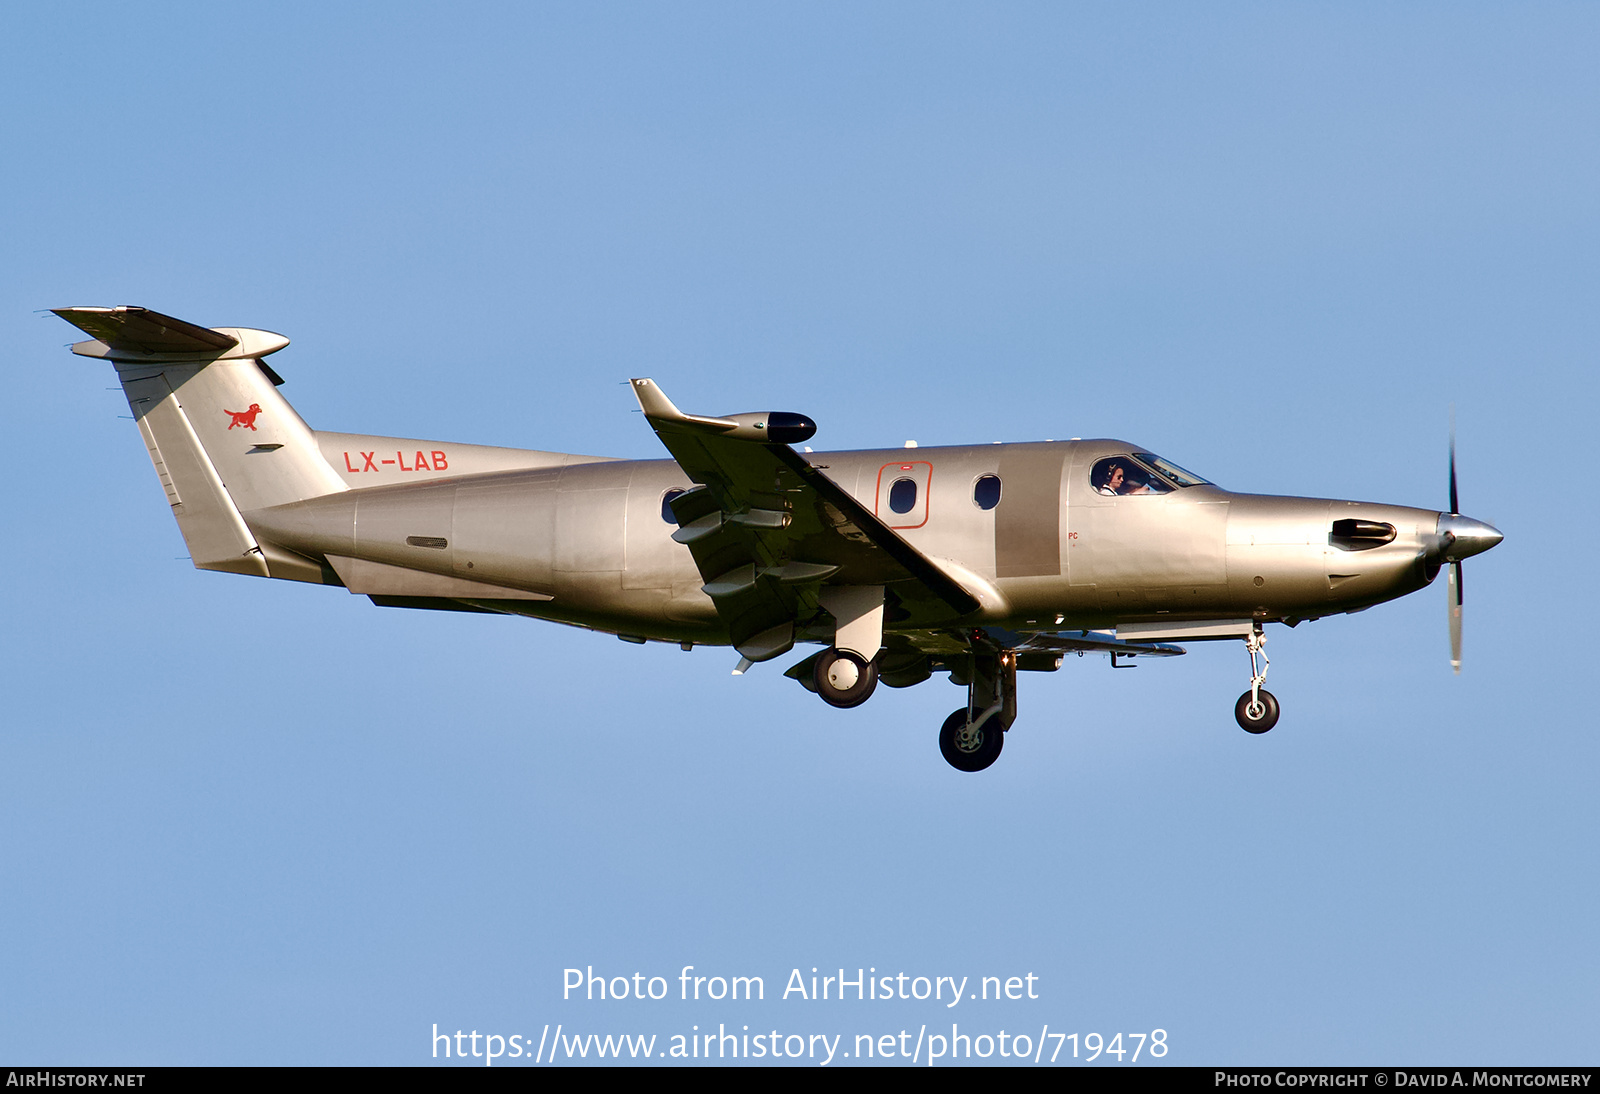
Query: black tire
point(986, 749)
point(1257, 721)
point(844, 679)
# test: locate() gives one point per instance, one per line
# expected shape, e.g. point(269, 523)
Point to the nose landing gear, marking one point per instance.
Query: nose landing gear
point(1256, 714)
point(1257, 709)
point(970, 747)
point(971, 738)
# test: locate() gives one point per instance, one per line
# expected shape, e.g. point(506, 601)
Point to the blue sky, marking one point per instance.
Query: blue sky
point(256, 822)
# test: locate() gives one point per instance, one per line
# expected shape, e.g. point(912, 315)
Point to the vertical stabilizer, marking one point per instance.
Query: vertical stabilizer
point(221, 437)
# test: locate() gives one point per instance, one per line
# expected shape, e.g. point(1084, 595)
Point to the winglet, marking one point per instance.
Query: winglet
point(772, 427)
point(653, 401)
point(655, 404)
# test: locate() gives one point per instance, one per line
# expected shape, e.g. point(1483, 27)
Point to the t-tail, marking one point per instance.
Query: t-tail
point(223, 440)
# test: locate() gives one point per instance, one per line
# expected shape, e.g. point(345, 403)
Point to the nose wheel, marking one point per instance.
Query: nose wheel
point(1257, 709)
point(971, 747)
point(971, 738)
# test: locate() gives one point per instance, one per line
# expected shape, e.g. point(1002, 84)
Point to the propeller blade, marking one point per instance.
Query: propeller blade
point(1454, 577)
point(1455, 616)
point(1455, 505)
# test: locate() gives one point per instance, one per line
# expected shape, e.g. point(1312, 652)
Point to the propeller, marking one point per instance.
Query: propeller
point(1453, 586)
point(1460, 537)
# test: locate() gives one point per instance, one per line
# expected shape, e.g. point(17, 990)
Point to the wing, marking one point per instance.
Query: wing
point(1081, 642)
point(769, 531)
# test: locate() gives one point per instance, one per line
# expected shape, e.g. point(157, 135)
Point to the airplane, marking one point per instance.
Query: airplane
point(976, 561)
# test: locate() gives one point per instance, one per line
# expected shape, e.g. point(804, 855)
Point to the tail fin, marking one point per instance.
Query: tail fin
point(221, 437)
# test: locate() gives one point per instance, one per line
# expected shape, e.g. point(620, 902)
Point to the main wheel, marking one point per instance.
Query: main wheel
point(970, 751)
point(1258, 717)
point(843, 679)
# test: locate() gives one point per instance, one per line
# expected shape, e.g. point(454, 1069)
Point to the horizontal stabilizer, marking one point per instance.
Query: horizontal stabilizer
point(139, 334)
point(146, 331)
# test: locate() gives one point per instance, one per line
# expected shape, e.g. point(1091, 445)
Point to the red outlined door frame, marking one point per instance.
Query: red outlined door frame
point(919, 472)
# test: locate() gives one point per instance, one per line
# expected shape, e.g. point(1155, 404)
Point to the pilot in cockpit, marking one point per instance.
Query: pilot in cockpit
point(1111, 479)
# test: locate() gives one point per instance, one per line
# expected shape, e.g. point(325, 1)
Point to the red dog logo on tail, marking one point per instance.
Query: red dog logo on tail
point(246, 418)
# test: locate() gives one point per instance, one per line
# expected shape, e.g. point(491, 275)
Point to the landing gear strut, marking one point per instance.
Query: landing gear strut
point(971, 738)
point(1257, 709)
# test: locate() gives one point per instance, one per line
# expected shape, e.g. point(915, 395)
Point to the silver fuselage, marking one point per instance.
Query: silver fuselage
point(584, 540)
point(976, 561)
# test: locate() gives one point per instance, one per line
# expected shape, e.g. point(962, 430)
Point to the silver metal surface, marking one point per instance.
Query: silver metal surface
point(741, 540)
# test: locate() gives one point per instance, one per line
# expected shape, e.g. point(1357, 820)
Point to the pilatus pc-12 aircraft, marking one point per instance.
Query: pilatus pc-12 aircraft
point(980, 561)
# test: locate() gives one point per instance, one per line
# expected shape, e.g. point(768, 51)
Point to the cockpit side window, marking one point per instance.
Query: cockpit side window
point(1121, 476)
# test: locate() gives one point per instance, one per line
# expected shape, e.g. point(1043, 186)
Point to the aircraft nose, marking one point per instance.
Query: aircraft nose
point(1462, 537)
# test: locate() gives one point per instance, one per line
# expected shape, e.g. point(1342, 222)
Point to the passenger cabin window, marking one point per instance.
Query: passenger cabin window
point(1121, 476)
point(666, 505)
point(903, 496)
point(986, 492)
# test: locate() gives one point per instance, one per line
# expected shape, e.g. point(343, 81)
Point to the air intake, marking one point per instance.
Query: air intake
point(1360, 535)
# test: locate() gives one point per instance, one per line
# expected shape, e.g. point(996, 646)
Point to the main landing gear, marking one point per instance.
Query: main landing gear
point(1257, 709)
point(844, 678)
point(841, 675)
point(972, 737)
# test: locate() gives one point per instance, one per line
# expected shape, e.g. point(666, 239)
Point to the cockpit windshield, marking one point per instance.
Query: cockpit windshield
point(1141, 473)
point(1171, 470)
